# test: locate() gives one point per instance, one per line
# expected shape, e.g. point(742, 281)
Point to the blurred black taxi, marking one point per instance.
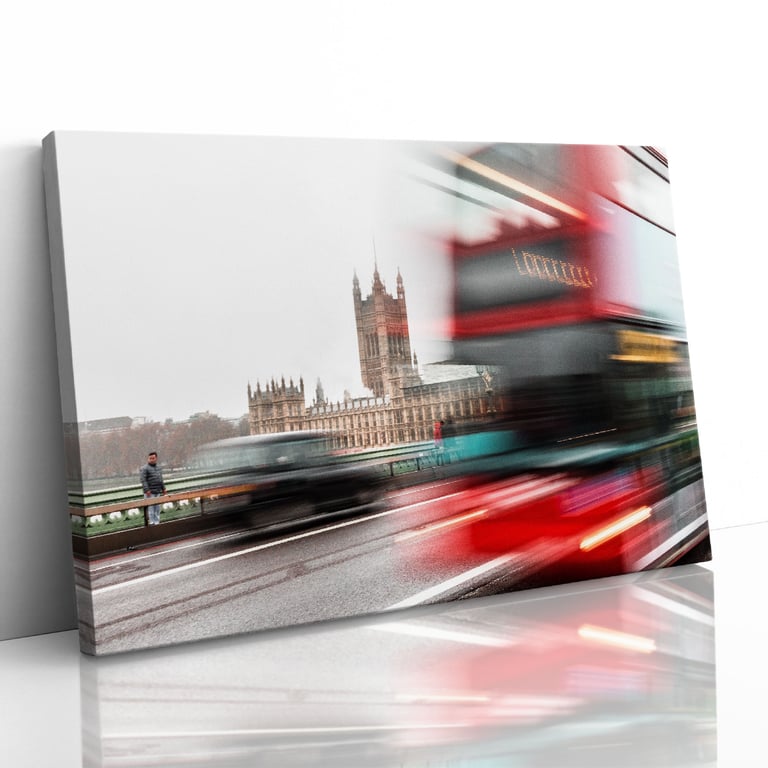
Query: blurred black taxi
point(284, 476)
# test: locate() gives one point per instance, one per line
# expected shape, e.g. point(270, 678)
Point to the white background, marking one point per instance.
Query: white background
point(688, 77)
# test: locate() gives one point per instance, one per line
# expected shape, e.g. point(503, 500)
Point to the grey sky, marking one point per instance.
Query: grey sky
point(198, 264)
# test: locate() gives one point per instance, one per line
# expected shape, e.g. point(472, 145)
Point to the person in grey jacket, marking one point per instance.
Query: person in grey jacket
point(153, 485)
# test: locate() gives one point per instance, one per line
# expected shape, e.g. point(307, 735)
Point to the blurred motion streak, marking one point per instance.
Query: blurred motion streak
point(620, 639)
point(436, 633)
point(614, 529)
point(517, 186)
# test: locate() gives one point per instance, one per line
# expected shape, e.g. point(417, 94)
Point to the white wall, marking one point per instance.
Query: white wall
point(36, 583)
point(688, 77)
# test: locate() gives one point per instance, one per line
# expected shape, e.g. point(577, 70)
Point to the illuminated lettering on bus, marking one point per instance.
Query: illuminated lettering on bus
point(640, 347)
point(552, 270)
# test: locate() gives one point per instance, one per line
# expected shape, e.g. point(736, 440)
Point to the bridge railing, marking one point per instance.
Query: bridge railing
point(106, 511)
point(135, 512)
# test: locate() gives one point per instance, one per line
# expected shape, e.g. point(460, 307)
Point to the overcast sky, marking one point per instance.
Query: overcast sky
point(196, 265)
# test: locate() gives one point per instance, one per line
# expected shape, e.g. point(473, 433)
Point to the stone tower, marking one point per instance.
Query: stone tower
point(383, 338)
point(279, 407)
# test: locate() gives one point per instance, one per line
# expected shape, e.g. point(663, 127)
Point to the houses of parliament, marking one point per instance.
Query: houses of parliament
point(404, 403)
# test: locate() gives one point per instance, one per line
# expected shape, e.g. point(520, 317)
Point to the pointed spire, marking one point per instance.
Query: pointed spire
point(355, 287)
point(377, 284)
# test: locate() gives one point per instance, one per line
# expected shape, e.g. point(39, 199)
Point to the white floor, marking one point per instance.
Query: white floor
point(659, 669)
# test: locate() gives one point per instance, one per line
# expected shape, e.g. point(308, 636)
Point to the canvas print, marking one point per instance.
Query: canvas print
point(305, 379)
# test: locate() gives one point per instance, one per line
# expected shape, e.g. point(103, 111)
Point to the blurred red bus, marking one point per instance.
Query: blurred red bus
point(566, 286)
point(567, 296)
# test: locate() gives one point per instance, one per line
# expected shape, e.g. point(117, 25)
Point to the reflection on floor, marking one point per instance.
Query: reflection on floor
point(611, 672)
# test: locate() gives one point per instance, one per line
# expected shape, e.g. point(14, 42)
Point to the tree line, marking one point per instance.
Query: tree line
point(119, 453)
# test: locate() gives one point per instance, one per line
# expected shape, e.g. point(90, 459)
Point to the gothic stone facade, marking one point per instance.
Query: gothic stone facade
point(404, 405)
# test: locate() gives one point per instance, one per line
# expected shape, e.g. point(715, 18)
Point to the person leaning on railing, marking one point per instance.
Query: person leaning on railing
point(153, 485)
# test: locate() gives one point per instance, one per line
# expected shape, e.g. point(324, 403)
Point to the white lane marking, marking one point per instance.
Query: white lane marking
point(405, 492)
point(428, 529)
point(190, 545)
point(207, 561)
point(444, 586)
point(239, 553)
point(644, 562)
point(421, 503)
point(202, 542)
